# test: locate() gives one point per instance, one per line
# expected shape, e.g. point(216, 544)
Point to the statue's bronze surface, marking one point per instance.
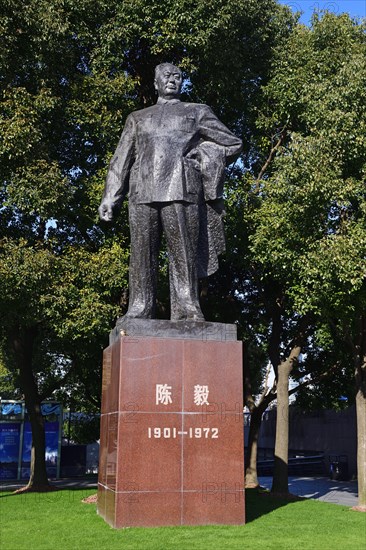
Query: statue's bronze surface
point(170, 160)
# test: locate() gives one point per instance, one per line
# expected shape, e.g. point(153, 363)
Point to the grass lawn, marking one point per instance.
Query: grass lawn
point(60, 521)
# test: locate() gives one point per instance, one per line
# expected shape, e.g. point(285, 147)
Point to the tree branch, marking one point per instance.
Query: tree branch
point(271, 155)
point(48, 391)
point(314, 380)
point(301, 330)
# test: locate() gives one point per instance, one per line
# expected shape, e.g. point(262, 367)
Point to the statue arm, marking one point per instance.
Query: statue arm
point(117, 182)
point(217, 148)
point(214, 131)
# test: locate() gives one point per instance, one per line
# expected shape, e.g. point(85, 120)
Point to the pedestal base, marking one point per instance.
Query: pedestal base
point(172, 441)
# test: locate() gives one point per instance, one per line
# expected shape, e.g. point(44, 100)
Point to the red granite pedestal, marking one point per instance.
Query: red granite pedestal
point(171, 448)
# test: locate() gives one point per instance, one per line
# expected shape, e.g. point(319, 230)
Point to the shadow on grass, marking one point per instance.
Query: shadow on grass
point(259, 503)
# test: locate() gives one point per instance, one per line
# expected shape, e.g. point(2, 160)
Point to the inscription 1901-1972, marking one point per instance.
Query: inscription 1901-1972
point(192, 433)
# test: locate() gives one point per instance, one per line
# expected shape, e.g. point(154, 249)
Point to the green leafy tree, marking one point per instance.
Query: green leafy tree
point(70, 74)
point(310, 222)
point(60, 276)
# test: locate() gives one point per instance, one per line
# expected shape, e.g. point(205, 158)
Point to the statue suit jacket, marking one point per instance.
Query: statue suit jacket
point(174, 151)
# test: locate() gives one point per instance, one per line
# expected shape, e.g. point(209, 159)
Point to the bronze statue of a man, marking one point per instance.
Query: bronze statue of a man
point(170, 160)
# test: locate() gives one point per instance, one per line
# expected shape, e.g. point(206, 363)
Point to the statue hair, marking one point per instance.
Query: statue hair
point(161, 67)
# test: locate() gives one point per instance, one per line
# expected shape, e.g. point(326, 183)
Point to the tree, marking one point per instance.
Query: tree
point(70, 74)
point(58, 274)
point(310, 224)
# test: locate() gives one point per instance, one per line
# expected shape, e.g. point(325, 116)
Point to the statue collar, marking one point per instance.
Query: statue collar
point(162, 101)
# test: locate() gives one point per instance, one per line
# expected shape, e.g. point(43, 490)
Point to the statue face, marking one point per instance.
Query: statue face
point(168, 81)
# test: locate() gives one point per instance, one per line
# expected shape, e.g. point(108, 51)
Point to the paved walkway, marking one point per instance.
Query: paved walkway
point(320, 488)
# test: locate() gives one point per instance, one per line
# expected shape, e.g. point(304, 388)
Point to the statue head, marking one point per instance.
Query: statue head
point(168, 81)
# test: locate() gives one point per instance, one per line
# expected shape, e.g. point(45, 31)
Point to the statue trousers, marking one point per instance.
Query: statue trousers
point(179, 221)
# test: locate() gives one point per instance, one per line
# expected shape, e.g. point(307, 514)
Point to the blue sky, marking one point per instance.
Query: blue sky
point(356, 8)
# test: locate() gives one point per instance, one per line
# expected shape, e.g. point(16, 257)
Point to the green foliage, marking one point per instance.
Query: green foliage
point(82, 429)
point(61, 273)
point(8, 389)
point(143, 33)
point(309, 221)
point(70, 73)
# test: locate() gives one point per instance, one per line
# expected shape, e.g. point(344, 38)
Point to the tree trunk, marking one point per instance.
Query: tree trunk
point(280, 473)
point(357, 345)
point(256, 413)
point(361, 443)
point(38, 475)
point(23, 344)
point(251, 476)
point(360, 376)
